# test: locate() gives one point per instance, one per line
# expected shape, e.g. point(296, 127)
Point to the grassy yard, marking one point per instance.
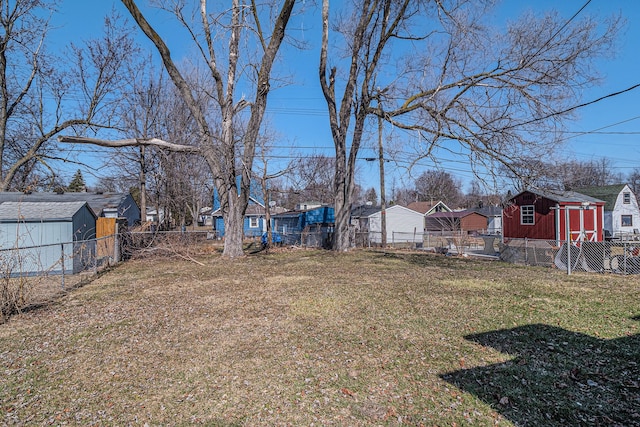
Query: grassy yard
point(315, 338)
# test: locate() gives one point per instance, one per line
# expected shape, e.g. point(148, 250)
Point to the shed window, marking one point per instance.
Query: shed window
point(527, 214)
point(254, 222)
point(627, 220)
point(626, 198)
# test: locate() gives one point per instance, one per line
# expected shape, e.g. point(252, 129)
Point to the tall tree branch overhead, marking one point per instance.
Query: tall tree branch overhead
point(39, 100)
point(226, 138)
point(439, 69)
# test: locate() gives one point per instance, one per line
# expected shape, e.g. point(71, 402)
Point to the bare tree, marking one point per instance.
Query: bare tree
point(593, 173)
point(178, 183)
point(268, 182)
point(634, 182)
point(479, 195)
point(435, 185)
point(41, 95)
point(437, 69)
point(141, 116)
point(562, 175)
point(371, 196)
point(403, 195)
point(312, 180)
point(219, 36)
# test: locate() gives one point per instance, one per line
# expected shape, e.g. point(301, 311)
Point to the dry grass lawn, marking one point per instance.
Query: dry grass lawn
point(316, 338)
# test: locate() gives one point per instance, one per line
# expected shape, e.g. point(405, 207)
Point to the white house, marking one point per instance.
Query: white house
point(621, 211)
point(403, 224)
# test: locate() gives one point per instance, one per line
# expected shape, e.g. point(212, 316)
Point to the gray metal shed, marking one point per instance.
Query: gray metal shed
point(36, 237)
point(109, 205)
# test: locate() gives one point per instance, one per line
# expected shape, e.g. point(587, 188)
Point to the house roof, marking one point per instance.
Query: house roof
point(424, 207)
point(256, 209)
point(365, 211)
point(39, 211)
point(288, 214)
point(299, 212)
point(455, 214)
point(563, 196)
point(608, 193)
point(96, 201)
point(488, 211)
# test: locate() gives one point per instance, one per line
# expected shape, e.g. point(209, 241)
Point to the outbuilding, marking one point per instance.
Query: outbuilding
point(553, 215)
point(467, 221)
point(103, 205)
point(45, 236)
point(402, 224)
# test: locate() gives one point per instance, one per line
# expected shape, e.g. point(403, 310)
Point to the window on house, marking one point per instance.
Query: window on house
point(254, 222)
point(627, 220)
point(626, 198)
point(527, 214)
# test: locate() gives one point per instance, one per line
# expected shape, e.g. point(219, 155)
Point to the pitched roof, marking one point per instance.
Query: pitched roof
point(424, 207)
point(608, 193)
point(365, 211)
point(488, 210)
point(259, 210)
point(39, 211)
point(563, 196)
point(455, 214)
point(96, 201)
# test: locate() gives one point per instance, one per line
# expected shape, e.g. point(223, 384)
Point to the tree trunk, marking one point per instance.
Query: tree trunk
point(143, 186)
point(233, 227)
point(342, 241)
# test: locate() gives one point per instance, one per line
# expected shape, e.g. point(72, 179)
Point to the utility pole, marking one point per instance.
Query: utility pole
point(383, 201)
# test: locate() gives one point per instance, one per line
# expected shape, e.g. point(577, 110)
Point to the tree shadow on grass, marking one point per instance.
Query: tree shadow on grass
point(558, 377)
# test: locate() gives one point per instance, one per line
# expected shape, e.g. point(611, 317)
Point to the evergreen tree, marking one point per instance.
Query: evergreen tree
point(77, 183)
point(371, 196)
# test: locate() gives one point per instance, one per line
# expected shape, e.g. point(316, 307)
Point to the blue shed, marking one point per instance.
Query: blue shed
point(318, 222)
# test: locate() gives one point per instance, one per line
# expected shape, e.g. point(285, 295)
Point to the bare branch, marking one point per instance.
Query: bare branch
point(131, 142)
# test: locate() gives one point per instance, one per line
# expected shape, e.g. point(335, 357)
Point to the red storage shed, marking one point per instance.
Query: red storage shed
point(543, 215)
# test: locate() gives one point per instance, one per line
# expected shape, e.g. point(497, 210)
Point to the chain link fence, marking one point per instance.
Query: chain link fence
point(452, 242)
point(620, 257)
point(31, 276)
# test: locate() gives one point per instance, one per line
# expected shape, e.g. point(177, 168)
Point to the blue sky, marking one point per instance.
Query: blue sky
point(298, 113)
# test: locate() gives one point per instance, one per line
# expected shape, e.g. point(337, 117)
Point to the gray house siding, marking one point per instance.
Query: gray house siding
point(30, 244)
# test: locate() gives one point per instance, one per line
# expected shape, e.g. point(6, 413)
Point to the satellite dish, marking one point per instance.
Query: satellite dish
point(272, 203)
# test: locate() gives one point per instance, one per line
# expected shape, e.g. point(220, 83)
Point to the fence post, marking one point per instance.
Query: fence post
point(62, 263)
point(95, 256)
point(116, 246)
